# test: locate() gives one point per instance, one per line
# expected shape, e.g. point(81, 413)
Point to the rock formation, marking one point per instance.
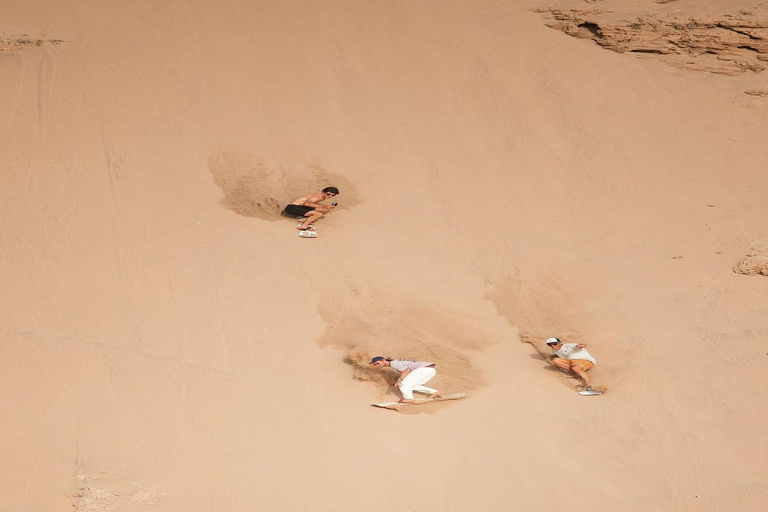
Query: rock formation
point(753, 265)
point(730, 45)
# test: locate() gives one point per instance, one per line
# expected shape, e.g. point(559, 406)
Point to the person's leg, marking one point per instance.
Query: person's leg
point(407, 392)
point(563, 364)
point(416, 379)
point(309, 218)
point(580, 369)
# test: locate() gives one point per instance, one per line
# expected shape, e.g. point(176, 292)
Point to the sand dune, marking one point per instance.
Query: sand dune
point(169, 342)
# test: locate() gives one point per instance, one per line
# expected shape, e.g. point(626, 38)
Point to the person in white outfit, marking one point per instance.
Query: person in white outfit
point(574, 357)
point(413, 375)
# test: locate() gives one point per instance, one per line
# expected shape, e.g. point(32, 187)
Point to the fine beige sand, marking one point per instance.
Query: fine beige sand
point(169, 343)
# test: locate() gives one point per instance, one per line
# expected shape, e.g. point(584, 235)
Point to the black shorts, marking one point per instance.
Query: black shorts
point(297, 210)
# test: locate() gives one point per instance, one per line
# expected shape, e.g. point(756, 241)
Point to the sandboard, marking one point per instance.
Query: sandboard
point(398, 405)
point(590, 392)
point(310, 232)
point(307, 233)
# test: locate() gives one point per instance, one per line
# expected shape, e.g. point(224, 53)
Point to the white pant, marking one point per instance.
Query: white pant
point(414, 382)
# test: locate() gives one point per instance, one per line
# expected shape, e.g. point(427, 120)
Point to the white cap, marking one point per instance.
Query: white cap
point(553, 341)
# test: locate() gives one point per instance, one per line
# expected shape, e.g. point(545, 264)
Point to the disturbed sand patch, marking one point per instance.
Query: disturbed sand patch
point(101, 493)
point(455, 371)
point(375, 323)
point(23, 42)
point(729, 45)
point(454, 374)
point(253, 189)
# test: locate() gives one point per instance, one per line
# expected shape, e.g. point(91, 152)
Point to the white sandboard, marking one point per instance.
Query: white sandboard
point(590, 392)
point(310, 232)
point(307, 233)
point(397, 405)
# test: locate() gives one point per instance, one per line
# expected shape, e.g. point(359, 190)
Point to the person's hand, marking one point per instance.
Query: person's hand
point(399, 382)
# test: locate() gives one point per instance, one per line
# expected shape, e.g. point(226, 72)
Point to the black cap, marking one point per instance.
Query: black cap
point(375, 359)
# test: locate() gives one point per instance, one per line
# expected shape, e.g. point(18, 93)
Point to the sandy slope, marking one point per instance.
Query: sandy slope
point(168, 341)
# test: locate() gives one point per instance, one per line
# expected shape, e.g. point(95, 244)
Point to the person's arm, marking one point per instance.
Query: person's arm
point(402, 376)
point(315, 201)
point(581, 345)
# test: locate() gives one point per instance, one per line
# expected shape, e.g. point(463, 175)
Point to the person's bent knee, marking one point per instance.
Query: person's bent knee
point(582, 364)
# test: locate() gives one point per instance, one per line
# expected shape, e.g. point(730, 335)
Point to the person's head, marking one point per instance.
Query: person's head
point(554, 343)
point(330, 191)
point(379, 361)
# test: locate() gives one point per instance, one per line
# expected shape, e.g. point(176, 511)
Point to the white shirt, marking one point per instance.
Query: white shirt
point(408, 364)
point(569, 351)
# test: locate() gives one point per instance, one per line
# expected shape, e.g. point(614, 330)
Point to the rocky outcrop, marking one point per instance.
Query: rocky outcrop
point(730, 45)
point(753, 265)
